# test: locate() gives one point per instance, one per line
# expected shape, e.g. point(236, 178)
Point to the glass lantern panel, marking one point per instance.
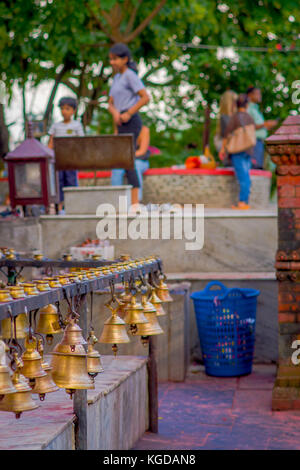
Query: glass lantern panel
point(52, 179)
point(28, 180)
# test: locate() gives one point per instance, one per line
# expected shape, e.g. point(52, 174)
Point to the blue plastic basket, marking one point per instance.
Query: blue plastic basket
point(226, 325)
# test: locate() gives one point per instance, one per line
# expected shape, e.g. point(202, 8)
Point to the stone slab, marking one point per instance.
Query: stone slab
point(233, 241)
point(213, 190)
point(85, 200)
point(117, 413)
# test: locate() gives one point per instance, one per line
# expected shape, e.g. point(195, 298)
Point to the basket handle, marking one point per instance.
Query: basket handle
point(215, 287)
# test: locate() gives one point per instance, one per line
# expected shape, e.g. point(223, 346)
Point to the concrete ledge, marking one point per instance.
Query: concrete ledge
point(215, 187)
point(117, 413)
point(234, 241)
point(85, 200)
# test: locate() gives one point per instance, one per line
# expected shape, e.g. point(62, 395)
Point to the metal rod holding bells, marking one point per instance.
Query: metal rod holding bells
point(152, 385)
point(80, 396)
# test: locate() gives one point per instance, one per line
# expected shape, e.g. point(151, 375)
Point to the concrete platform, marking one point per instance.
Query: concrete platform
point(117, 413)
point(213, 413)
point(234, 241)
point(85, 200)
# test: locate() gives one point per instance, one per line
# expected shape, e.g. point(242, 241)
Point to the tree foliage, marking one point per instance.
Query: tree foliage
point(68, 43)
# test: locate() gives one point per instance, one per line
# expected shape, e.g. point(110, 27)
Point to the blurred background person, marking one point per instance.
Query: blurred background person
point(227, 109)
point(240, 135)
point(262, 127)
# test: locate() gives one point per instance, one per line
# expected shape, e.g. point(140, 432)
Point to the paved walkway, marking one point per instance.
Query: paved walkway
point(222, 413)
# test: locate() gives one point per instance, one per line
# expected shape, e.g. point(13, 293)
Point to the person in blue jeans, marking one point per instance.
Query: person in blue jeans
point(240, 160)
point(141, 162)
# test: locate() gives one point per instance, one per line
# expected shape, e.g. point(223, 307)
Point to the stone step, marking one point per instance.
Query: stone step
point(85, 200)
point(234, 241)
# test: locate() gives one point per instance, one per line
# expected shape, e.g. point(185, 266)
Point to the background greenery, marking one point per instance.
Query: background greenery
point(68, 41)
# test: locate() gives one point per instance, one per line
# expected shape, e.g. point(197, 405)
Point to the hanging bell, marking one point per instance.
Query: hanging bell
point(7, 326)
point(6, 385)
point(48, 323)
point(157, 303)
point(94, 365)
point(134, 315)
point(69, 371)
point(114, 331)
point(152, 327)
point(45, 384)
point(162, 292)
point(21, 400)
point(72, 338)
point(32, 361)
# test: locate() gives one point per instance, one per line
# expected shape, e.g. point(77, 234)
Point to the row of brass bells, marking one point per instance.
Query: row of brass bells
point(48, 323)
point(32, 360)
point(6, 385)
point(162, 292)
point(94, 365)
point(114, 331)
point(20, 400)
point(44, 384)
point(69, 361)
point(21, 327)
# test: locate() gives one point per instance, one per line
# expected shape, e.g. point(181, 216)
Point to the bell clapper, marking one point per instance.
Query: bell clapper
point(70, 391)
point(31, 382)
point(1, 397)
point(42, 396)
point(145, 340)
point(49, 339)
point(115, 349)
point(133, 328)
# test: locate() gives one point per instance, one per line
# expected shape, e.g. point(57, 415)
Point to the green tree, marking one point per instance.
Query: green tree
point(68, 43)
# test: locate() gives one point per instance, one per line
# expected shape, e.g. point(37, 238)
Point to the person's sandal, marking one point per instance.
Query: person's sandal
point(241, 206)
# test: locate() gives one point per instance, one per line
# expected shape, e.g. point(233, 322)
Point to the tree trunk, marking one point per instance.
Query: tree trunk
point(4, 136)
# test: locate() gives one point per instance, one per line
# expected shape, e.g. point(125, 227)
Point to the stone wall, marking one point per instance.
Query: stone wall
point(214, 188)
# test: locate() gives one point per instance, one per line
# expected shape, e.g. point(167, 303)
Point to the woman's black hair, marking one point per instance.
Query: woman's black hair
point(242, 101)
point(121, 50)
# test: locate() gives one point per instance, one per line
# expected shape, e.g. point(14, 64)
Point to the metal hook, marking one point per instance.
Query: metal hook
point(112, 290)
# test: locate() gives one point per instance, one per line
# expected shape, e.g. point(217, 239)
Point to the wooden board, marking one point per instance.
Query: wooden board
point(94, 152)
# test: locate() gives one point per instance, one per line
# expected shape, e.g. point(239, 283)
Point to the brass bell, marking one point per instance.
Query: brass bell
point(17, 292)
point(42, 285)
point(21, 400)
point(157, 303)
point(32, 361)
point(45, 384)
point(72, 338)
point(30, 288)
point(48, 323)
point(162, 292)
point(152, 327)
point(6, 385)
point(5, 295)
point(94, 365)
point(114, 331)
point(69, 371)
point(134, 314)
point(7, 327)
